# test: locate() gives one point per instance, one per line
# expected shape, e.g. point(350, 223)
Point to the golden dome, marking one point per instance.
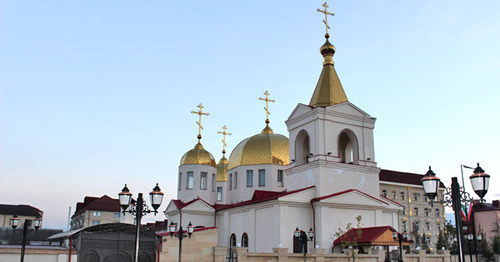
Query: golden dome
point(198, 156)
point(222, 170)
point(263, 148)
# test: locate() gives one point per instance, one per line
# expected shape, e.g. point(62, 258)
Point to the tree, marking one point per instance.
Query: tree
point(441, 243)
point(450, 235)
point(351, 240)
point(425, 245)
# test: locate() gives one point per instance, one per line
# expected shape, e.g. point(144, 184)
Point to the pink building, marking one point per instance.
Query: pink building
point(486, 218)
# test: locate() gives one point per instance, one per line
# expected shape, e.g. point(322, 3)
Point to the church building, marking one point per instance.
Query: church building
point(318, 177)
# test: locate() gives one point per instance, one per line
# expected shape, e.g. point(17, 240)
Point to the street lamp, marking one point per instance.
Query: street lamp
point(302, 239)
point(456, 196)
point(181, 234)
point(400, 237)
point(139, 209)
point(14, 221)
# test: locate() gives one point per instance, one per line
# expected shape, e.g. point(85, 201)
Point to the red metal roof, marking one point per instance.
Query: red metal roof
point(260, 196)
point(104, 203)
point(402, 177)
point(368, 234)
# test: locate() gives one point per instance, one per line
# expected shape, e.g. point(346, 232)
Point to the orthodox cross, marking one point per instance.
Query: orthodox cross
point(325, 5)
point(267, 105)
point(224, 134)
point(200, 113)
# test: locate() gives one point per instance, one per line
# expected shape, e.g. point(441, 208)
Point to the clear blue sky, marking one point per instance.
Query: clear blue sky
point(96, 94)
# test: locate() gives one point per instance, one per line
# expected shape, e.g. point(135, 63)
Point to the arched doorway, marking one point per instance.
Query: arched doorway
point(298, 244)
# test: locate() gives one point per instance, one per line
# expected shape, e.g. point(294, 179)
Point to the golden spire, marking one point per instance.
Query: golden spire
point(325, 5)
point(224, 134)
point(329, 90)
point(200, 113)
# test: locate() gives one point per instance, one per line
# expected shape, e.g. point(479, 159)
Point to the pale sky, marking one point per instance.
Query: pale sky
point(97, 94)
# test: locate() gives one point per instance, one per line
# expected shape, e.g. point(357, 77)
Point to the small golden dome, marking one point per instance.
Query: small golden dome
point(198, 156)
point(263, 148)
point(327, 48)
point(222, 170)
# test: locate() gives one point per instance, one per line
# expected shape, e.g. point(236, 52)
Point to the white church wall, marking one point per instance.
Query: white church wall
point(291, 217)
point(187, 192)
point(242, 192)
point(267, 234)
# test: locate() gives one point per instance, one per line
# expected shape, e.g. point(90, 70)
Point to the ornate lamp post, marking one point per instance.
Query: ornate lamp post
point(302, 239)
point(139, 209)
point(456, 196)
point(181, 234)
point(14, 221)
point(400, 237)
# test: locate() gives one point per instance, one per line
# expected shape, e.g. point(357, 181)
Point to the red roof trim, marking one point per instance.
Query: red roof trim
point(345, 192)
point(257, 199)
point(178, 203)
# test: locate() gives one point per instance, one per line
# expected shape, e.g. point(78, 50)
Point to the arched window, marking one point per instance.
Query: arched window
point(348, 147)
point(244, 240)
point(302, 149)
point(232, 240)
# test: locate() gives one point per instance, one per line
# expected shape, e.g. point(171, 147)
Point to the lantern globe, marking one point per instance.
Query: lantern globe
point(430, 182)
point(480, 181)
point(296, 233)
point(125, 198)
point(156, 197)
point(14, 221)
point(37, 223)
point(310, 233)
point(190, 228)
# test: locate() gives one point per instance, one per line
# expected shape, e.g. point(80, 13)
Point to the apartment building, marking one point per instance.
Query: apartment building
point(418, 217)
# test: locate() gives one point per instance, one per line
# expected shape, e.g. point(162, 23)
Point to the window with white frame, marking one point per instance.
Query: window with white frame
point(280, 178)
point(219, 193)
point(384, 193)
point(262, 177)
point(97, 213)
point(203, 181)
point(402, 195)
point(190, 180)
point(249, 178)
point(214, 181)
point(179, 182)
point(235, 180)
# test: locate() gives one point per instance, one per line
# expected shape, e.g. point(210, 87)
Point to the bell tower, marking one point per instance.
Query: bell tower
point(331, 140)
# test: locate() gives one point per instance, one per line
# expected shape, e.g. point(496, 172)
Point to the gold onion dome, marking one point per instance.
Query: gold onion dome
point(222, 170)
point(198, 156)
point(263, 148)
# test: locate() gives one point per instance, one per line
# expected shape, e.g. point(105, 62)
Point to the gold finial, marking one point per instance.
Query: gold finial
point(224, 134)
point(325, 5)
point(267, 105)
point(200, 113)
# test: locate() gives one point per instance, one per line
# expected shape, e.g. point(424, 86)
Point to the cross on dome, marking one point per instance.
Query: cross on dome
point(325, 5)
point(224, 134)
point(200, 113)
point(267, 105)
